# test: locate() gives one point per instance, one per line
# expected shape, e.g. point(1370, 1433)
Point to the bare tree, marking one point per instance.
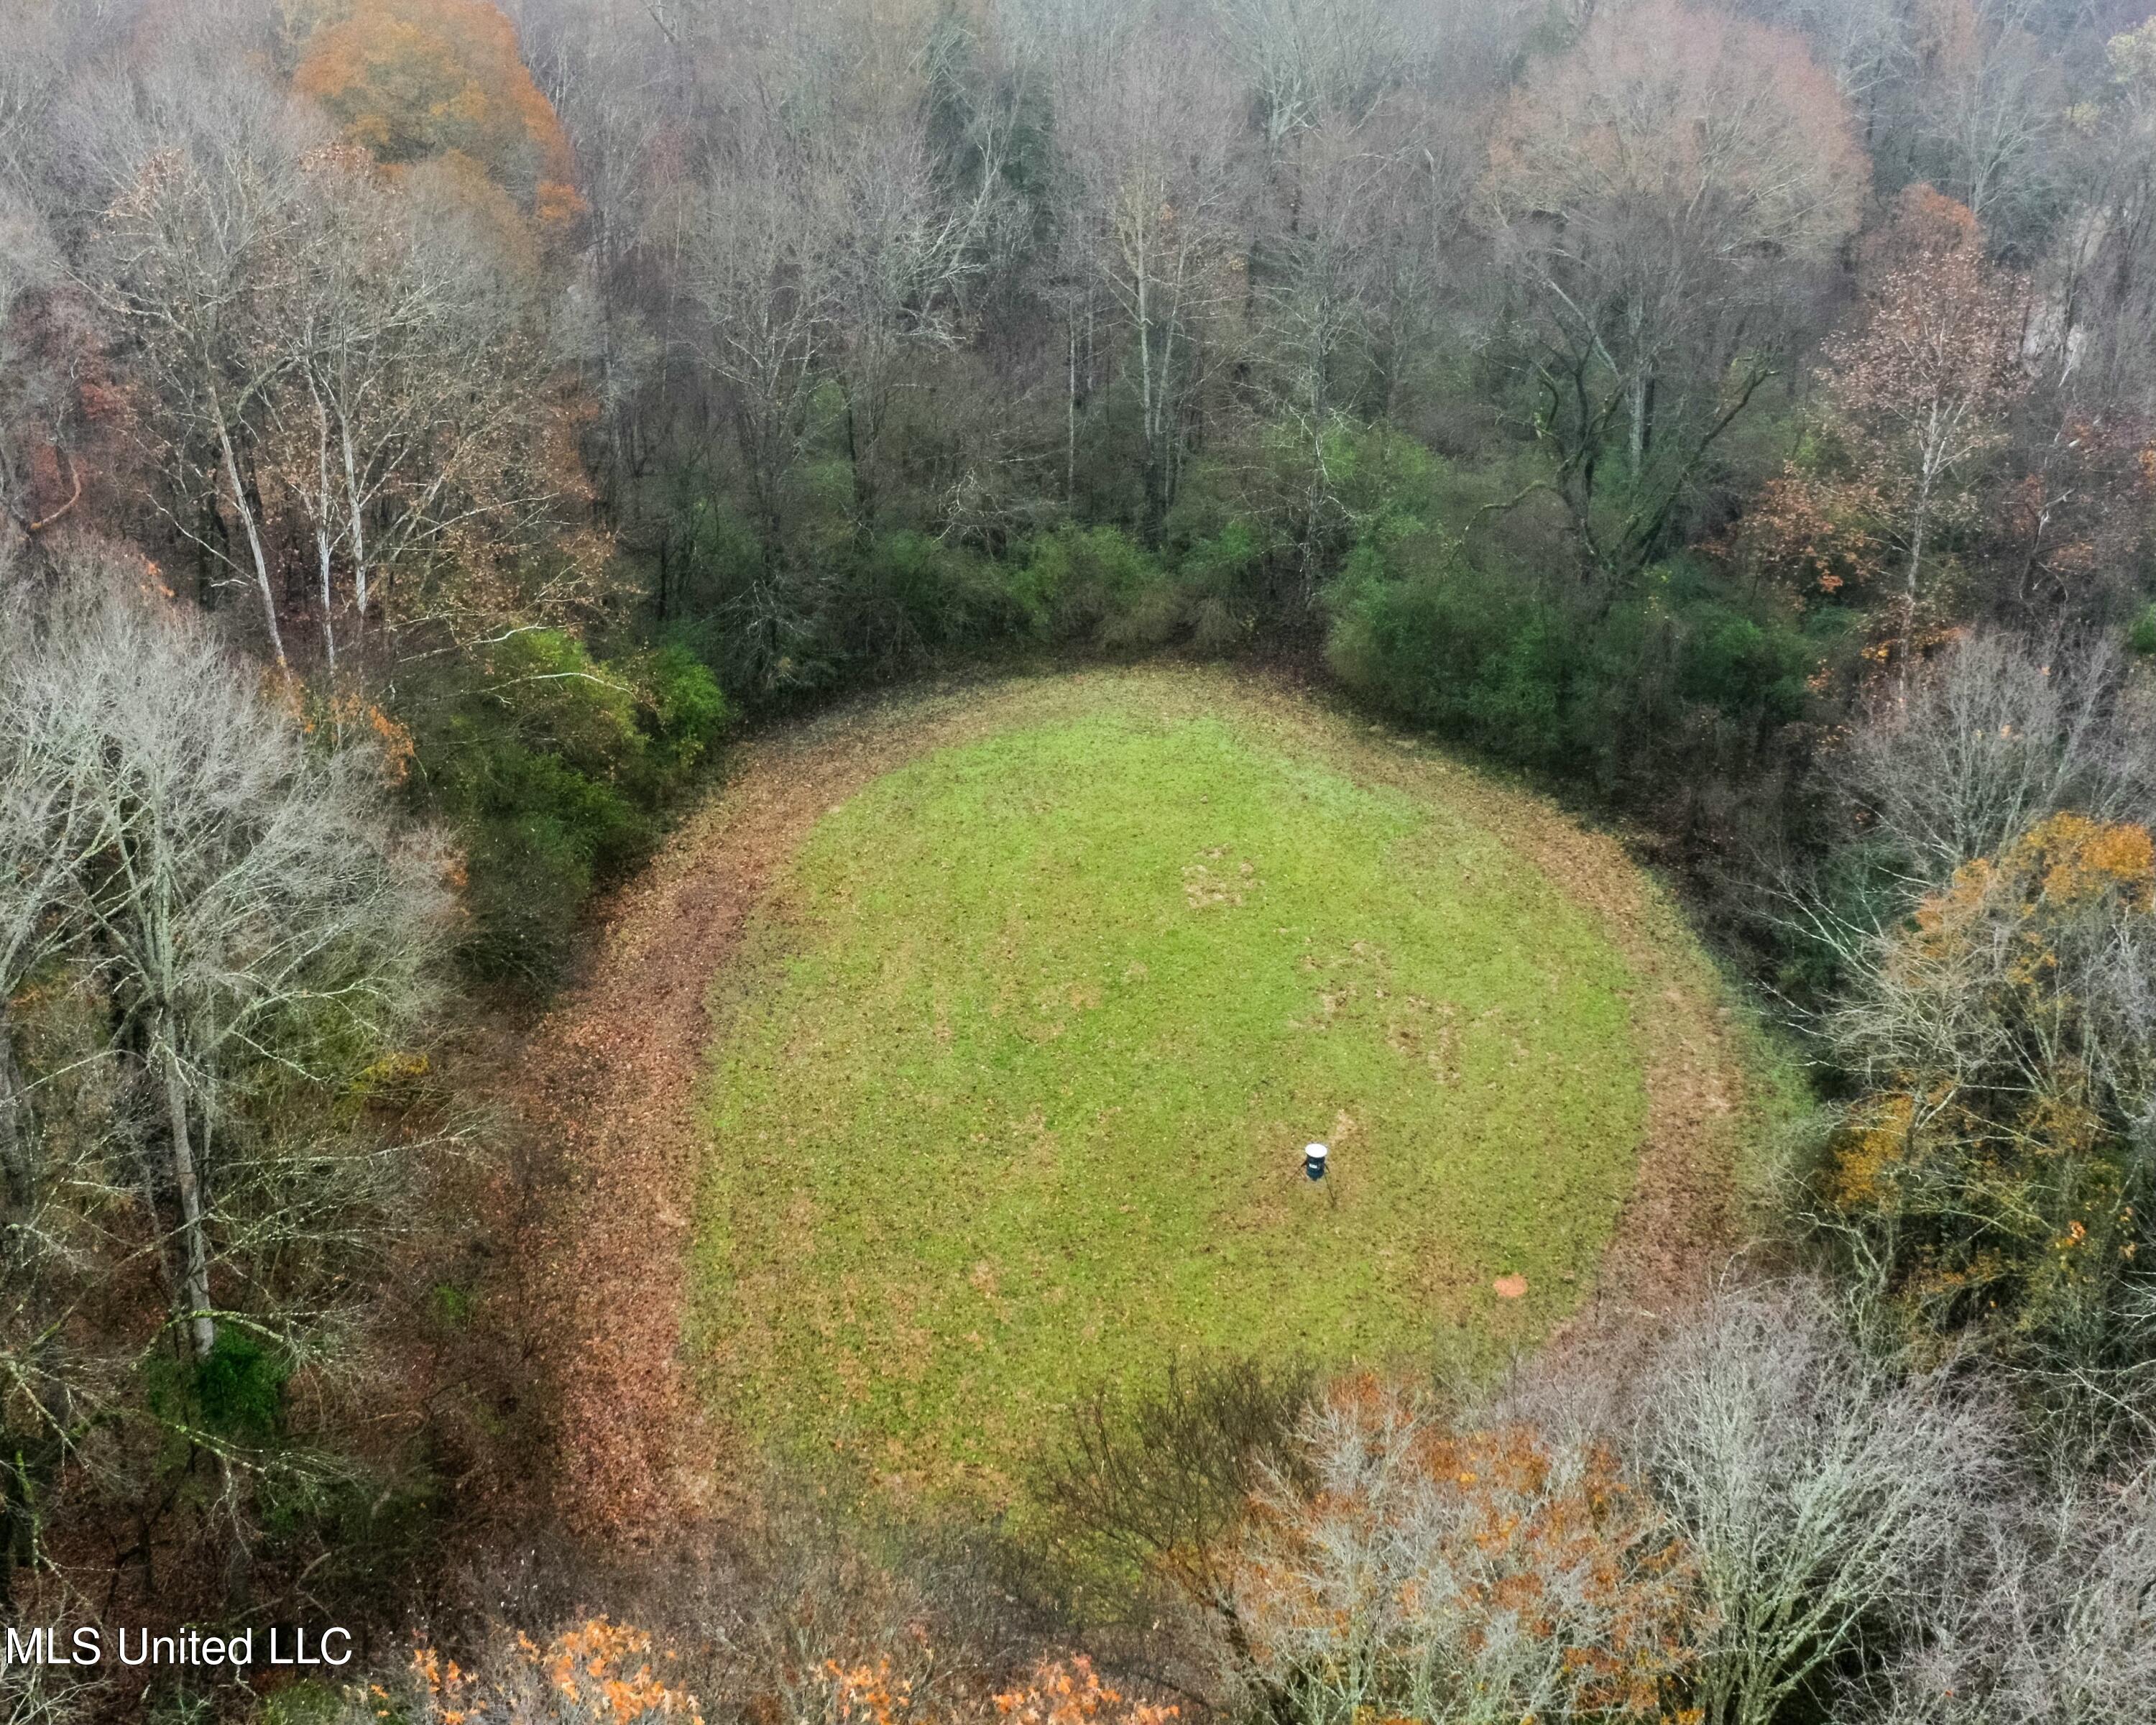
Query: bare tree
point(1156, 211)
point(61, 1190)
point(764, 264)
point(1994, 736)
point(1313, 284)
point(1993, 103)
point(413, 437)
point(30, 78)
point(1864, 43)
point(2106, 274)
point(238, 900)
point(615, 76)
point(216, 961)
point(1464, 1566)
point(32, 1696)
point(346, 377)
point(1821, 1495)
point(198, 260)
point(1657, 193)
point(909, 255)
point(1310, 61)
point(30, 266)
point(1923, 381)
point(2057, 1624)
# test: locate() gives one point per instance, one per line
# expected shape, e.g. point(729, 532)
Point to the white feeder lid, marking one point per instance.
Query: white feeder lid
point(1314, 1153)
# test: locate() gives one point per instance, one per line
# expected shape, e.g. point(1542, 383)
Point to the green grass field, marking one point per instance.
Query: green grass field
point(1015, 1069)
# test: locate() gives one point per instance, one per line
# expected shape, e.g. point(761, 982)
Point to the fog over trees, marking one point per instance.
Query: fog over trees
point(428, 426)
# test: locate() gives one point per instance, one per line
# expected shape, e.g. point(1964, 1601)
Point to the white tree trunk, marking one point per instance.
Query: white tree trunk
point(253, 535)
point(358, 528)
point(194, 1244)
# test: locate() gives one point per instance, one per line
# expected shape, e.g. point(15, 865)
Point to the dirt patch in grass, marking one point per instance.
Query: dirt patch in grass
point(609, 1084)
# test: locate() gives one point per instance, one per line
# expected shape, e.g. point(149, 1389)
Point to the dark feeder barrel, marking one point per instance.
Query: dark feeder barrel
point(1313, 1161)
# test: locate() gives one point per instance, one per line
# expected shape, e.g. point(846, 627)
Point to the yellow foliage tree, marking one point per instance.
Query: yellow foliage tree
point(2009, 1046)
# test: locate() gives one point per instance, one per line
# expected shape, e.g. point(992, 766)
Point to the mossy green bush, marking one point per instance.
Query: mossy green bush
point(1620, 688)
point(555, 769)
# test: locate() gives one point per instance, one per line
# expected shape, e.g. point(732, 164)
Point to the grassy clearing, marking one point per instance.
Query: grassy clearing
point(1015, 1067)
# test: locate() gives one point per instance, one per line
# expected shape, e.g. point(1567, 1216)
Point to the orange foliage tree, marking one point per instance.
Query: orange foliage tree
point(412, 81)
point(601, 1672)
point(1058, 1693)
point(351, 368)
point(1427, 1571)
point(1810, 534)
point(598, 1672)
point(2009, 1039)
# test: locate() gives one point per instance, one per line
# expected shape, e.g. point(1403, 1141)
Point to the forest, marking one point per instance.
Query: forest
point(545, 545)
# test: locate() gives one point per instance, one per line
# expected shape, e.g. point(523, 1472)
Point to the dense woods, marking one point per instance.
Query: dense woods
point(428, 426)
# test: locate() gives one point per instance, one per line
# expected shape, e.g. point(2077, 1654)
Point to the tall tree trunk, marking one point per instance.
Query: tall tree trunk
point(358, 528)
point(18, 1131)
point(253, 535)
point(860, 434)
point(35, 1449)
point(329, 617)
point(321, 514)
point(1148, 413)
point(194, 1244)
point(1916, 532)
point(1643, 421)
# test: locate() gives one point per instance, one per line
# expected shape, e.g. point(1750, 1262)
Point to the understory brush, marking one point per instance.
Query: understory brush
point(557, 770)
point(1681, 679)
point(1690, 690)
point(792, 1608)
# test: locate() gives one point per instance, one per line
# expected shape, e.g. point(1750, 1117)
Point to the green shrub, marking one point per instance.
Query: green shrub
point(1422, 633)
point(237, 1392)
point(526, 877)
point(1222, 585)
point(688, 711)
point(1390, 486)
point(309, 1702)
point(556, 768)
point(1085, 585)
point(241, 1387)
point(1643, 691)
point(901, 601)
